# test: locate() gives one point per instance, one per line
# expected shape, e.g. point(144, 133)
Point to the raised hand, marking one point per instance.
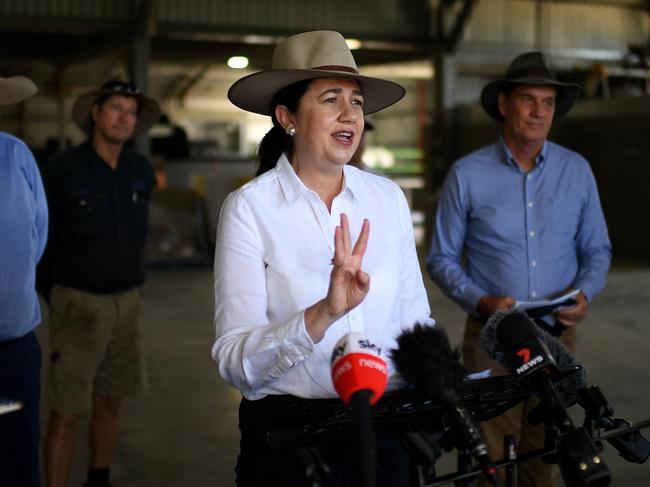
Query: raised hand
point(348, 283)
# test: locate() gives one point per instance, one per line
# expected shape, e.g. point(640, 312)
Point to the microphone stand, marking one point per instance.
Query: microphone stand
point(363, 440)
point(510, 453)
point(577, 455)
point(414, 414)
point(531, 455)
point(553, 405)
point(631, 445)
point(464, 466)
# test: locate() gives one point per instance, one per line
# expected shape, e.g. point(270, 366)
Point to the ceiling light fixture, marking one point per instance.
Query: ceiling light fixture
point(353, 44)
point(238, 62)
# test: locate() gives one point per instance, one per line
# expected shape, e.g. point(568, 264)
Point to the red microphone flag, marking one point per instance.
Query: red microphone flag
point(357, 365)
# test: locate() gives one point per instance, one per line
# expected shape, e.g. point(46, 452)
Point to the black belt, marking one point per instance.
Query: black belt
point(287, 405)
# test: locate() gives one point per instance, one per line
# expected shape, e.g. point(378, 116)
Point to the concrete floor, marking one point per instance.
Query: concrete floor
point(183, 431)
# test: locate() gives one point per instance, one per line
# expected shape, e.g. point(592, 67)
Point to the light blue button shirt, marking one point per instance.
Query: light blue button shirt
point(23, 233)
point(500, 231)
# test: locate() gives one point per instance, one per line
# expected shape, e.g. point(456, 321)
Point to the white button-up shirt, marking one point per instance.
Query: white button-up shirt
point(275, 244)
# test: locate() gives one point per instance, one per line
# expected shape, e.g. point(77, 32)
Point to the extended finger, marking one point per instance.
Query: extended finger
point(345, 228)
point(339, 253)
point(571, 311)
point(362, 241)
point(566, 322)
point(571, 316)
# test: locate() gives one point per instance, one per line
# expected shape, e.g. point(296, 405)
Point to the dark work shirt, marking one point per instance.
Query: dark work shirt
point(98, 220)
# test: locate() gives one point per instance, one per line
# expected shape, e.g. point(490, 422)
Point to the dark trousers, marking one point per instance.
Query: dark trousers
point(20, 380)
point(259, 465)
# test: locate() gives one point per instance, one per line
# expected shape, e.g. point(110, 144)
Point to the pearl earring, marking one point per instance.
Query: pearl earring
point(291, 130)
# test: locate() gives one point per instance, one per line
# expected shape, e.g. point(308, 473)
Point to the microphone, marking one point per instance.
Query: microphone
point(507, 329)
point(522, 350)
point(426, 361)
point(357, 366)
point(360, 375)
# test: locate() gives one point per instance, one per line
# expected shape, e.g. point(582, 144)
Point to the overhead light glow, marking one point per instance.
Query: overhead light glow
point(238, 62)
point(353, 43)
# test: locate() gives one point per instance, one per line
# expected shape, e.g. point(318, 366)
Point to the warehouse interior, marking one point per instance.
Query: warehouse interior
point(183, 431)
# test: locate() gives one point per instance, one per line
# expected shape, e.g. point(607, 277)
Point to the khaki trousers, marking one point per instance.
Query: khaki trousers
point(532, 473)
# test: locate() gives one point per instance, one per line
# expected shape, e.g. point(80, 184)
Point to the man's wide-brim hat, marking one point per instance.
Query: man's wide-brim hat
point(148, 108)
point(310, 55)
point(15, 89)
point(530, 68)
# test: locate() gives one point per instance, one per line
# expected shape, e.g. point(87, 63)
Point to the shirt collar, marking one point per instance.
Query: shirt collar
point(351, 180)
point(98, 162)
point(291, 185)
point(293, 188)
point(510, 160)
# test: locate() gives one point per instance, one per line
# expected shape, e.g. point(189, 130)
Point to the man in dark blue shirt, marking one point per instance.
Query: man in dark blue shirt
point(525, 215)
point(98, 195)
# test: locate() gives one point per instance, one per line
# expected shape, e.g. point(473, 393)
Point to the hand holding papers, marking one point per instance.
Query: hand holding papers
point(545, 307)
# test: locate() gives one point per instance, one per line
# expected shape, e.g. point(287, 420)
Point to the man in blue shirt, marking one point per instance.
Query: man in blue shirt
point(23, 234)
point(520, 220)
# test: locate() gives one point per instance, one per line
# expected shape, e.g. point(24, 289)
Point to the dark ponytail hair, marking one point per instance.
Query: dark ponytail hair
point(276, 141)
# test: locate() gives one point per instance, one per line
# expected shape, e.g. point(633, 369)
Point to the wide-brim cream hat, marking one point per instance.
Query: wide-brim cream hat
point(15, 89)
point(310, 55)
point(148, 108)
point(530, 68)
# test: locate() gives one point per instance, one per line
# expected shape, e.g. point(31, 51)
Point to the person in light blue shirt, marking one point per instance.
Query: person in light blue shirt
point(520, 220)
point(23, 234)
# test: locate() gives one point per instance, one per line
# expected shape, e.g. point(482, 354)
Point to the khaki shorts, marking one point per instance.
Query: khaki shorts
point(95, 348)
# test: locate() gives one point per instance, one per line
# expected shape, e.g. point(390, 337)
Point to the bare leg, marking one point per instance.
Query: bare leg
point(103, 430)
point(59, 447)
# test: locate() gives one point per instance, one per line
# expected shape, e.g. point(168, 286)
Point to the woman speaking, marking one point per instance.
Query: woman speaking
point(308, 251)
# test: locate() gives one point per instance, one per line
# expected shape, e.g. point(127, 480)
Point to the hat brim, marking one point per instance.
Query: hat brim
point(16, 89)
point(565, 98)
point(255, 92)
point(148, 111)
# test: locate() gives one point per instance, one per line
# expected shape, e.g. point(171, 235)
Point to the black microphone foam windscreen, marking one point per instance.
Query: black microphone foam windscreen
point(513, 330)
point(488, 336)
point(425, 359)
point(506, 330)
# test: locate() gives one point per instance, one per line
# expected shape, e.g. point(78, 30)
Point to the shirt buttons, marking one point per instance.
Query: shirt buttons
point(534, 263)
point(530, 204)
point(532, 233)
point(533, 294)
